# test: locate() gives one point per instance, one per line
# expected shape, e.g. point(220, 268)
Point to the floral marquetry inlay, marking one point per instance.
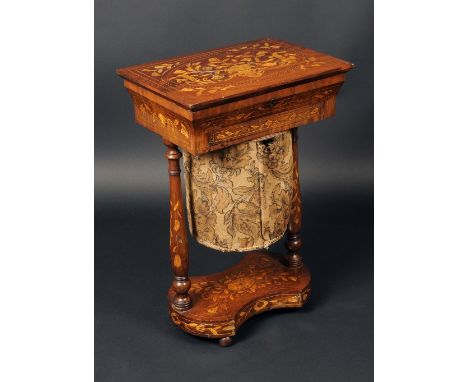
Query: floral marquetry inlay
point(177, 236)
point(276, 121)
point(247, 61)
point(224, 301)
point(199, 80)
point(291, 110)
point(219, 294)
point(208, 329)
point(155, 116)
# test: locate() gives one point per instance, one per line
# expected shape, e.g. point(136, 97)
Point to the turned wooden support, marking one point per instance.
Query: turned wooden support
point(293, 238)
point(178, 236)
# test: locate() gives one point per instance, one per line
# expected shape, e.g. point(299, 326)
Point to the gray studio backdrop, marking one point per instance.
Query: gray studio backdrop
point(331, 338)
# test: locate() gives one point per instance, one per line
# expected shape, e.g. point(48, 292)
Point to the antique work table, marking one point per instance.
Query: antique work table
point(212, 100)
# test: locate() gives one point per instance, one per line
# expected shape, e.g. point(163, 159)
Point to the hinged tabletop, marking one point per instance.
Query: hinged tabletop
point(214, 77)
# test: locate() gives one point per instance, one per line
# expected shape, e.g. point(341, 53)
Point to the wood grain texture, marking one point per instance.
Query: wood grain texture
point(178, 244)
point(293, 241)
point(222, 127)
point(218, 76)
point(267, 118)
point(222, 302)
point(162, 121)
point(207, 101)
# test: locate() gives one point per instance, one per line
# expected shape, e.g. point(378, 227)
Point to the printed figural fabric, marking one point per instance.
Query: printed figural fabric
point(239, 198)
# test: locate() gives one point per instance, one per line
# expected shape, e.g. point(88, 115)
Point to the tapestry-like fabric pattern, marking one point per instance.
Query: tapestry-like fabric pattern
point(239, 198)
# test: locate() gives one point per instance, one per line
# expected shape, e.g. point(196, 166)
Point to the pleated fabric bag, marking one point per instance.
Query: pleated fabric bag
point(239, 198)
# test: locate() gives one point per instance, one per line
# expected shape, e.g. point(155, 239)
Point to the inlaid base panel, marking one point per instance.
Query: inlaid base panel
point(223, 301)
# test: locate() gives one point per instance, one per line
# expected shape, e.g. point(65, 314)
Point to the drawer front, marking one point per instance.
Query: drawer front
point(268, 118)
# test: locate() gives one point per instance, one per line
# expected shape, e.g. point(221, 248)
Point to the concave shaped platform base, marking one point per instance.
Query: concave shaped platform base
point(223, 301)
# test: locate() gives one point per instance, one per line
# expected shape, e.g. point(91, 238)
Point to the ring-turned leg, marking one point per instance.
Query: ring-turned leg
point(178, 235)
point(293, 238)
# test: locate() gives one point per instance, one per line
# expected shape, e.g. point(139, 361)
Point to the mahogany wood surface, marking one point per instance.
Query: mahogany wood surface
point(223, 301)
point(211, 100)
point(178, 244)
point(293, 239)
point(217, 76)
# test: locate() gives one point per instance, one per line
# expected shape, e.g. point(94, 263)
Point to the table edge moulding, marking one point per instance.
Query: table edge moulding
point(211, 100)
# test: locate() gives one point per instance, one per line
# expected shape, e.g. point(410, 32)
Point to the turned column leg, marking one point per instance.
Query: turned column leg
point(178, 235)
point(293, 238)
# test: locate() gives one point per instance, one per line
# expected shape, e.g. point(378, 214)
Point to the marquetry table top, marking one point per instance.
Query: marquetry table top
point(236, 72)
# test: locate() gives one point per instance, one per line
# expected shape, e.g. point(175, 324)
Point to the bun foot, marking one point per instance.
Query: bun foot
point(225, 341)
